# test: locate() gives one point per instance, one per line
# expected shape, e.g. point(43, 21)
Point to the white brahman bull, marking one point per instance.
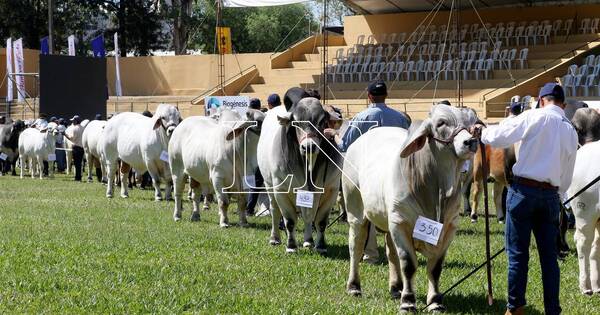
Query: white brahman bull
point(587, 217)
point(140, 143)
point(91, 138)
point(219, 159)
point(391, 178)
point(35, 145)
point(293, 154)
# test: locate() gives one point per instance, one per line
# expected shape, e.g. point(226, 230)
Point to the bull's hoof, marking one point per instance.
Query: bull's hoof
point(436, 308)
point(395, 294)
point(321, 251)
point(307, 245)
point(354, 292)
point(291, 250)
point(157, 198)
point(206, 208)
point(408, 308)
point(195, 217)
point(587, 292)
point(168, 199)
point(224, 225)
point(89, 180)
point(124, 196)
point(177, 218)
point(274, 241)
point(501, 221)
point(474, 218)
point(109, 195)
point(244, 224)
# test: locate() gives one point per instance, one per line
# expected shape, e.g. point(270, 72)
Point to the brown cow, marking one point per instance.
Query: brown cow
point(500, 162)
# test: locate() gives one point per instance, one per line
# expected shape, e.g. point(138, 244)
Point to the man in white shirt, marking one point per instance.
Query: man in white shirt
point(542, 172)
point(75, 133)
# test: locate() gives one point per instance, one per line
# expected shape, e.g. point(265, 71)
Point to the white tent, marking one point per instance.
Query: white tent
point(258, 3)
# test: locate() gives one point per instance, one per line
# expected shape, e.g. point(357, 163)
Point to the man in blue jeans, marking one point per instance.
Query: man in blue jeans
point(542, 173)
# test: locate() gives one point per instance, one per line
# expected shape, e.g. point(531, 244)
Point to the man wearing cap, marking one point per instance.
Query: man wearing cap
point(273, 101)
point(376, 115)
point(258, 179)
point(75, 134)
point(541, 174)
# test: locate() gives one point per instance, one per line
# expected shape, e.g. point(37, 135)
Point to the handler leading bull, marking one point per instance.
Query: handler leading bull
point(543, 172)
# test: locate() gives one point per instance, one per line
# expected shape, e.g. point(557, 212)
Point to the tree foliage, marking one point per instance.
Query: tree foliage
point(145, 26)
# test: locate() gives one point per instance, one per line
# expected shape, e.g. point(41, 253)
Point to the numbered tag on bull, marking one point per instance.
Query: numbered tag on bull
point(51, 157)
point(3, 156)
point(304, 198)
point(164, 156)
point(427, 230)
point(249, 182)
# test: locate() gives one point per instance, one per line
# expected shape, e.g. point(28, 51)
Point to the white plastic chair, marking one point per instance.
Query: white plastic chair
point(376, 70)
point(339, 56)
point(502, 59)
point(479, 66)
point(508, 35)
point(360, 40)
point(437, 69)
point(556, 26)
point(523, 57)
point(419, 65)
point(398, 71)
point(515, 99)
point(530, 33)
point(572, 70)
point(389, 70)
point(594, 25)
point(409, 69)
point(588, 84)
point(510, 58)
point(583, 70)
point(472, 55)
point(466, 68)
point(520, 34)
point(449, 68)
point(575, 84)
point(589, 60)
point(473, 46)
point(584, 26)
point(545, 35)
point(427, 69)
point(566, 29)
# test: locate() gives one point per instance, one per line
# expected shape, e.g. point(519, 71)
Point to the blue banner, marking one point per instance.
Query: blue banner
point(45, 48)
point(98, 47)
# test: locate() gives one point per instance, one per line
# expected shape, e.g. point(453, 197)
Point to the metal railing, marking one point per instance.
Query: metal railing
point(132, 106)
point(217, 87)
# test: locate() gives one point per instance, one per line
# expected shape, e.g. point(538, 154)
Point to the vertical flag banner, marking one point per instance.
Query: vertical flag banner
point(44, 47)
point(19, 68)
point(71, 41)
point(9, 82)
point(98, 47)
point(224, 39)
point(118, 90)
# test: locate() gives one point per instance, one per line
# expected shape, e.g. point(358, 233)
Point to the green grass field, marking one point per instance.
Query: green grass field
point(65, 248)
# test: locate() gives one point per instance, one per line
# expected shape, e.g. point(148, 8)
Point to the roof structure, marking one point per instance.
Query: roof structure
point(399, 6)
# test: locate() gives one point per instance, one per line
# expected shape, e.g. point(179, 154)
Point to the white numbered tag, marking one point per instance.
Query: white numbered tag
point(51, 157)
point(164, 156)
point(427, 230)
point(304, 199)
point(3, 156)
point(249, 182)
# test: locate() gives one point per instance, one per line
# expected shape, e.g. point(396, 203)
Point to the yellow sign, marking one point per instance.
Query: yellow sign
point(224, 40)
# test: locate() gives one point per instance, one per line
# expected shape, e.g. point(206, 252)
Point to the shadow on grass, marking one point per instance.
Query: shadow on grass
point(469, 232)
point(477, 304)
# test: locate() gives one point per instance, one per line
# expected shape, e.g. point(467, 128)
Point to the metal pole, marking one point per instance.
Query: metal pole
point(488, 266)
point(50, 26)
point(324, 34)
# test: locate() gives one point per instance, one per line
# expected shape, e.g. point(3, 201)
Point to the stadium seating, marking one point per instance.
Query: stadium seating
point(471, 52)
point(583, 79)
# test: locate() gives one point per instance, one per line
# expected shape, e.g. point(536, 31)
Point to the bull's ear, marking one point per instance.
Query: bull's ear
point(284, 119)
point(156, 122)
point(238, 129)
point(43, 130)
point(416, 139)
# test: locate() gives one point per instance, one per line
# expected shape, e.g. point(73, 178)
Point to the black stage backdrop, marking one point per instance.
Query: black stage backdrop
point(71, 85)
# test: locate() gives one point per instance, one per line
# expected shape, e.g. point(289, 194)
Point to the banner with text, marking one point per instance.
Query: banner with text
point(237, 103)
point(19, 68)
point(9, 82)
point(118, 90)
point(71, 41)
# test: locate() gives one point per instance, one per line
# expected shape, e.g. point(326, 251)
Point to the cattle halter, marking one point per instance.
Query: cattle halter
point(452, 136)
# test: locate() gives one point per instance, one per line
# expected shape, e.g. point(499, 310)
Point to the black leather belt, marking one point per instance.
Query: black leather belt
point(533, 183)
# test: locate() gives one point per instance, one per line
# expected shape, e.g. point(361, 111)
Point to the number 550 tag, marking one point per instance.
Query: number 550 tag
point(427, 230)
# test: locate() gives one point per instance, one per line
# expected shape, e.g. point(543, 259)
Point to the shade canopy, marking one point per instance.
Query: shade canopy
point(399, 6)
point(258, 3)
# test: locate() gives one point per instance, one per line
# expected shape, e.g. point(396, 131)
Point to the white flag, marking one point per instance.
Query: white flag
point(9, 82)
point(19, 68)
point(118, 90)
point(71, 40)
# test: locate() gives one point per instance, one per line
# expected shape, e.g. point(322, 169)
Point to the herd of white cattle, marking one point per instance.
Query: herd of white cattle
point(390, 177)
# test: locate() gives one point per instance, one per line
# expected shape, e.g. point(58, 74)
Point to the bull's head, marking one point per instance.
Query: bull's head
point(448, 128)
point(51, 129)
point(253, 123)
point(587, 124)
point(166, 116)
point(309, 119)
